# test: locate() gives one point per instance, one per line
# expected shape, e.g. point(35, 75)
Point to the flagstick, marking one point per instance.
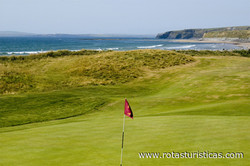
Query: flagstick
point(122, 138)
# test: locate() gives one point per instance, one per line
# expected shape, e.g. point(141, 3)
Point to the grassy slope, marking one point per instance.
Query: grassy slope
point(200, 106)
point(241, 34)
point(43, 73)
point(67, 72)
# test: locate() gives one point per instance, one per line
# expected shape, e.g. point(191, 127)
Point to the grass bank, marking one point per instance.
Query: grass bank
point(200, 106)
point(44, 72)
point(39, 74)
point(240, 34)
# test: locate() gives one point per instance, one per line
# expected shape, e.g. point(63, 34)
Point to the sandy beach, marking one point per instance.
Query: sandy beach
point(244, 45)
point(241, 44)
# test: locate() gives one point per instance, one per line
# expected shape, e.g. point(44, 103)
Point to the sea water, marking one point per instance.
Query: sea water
point(31, 45)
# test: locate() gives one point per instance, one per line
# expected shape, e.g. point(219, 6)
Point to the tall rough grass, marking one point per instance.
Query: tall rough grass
point(63, 69)
point(244, 53)
point(53, 54)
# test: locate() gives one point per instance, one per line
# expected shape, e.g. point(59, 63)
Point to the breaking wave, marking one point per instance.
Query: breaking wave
point(180, 47)
point(21, 52)
point(153, 46)
point(112, 48)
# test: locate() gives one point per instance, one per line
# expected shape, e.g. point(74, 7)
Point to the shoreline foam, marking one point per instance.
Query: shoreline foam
point(244, 45)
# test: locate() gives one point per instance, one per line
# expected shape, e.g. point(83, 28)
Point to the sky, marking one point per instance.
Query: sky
point(120, 16)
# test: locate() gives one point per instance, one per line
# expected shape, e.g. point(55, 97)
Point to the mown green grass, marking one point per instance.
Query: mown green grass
point(201, 106)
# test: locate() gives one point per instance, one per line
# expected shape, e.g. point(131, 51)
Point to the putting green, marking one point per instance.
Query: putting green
point(203, 106)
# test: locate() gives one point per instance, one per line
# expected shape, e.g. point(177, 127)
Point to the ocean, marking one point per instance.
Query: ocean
point(31, 45)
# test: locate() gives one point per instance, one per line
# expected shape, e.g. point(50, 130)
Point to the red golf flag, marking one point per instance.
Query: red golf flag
point(128, 110)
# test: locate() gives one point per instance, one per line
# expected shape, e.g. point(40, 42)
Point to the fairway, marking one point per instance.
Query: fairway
point(200, 106)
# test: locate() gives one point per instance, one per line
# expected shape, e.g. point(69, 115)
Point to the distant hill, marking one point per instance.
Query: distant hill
point(87, 36)
point(230, 32)
point(14, 33)
point(240, 34)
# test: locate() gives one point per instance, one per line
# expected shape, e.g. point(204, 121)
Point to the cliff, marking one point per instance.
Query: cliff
point(200, 33)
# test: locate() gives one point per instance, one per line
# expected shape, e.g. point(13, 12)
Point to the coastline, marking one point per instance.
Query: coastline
point(244, 45)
